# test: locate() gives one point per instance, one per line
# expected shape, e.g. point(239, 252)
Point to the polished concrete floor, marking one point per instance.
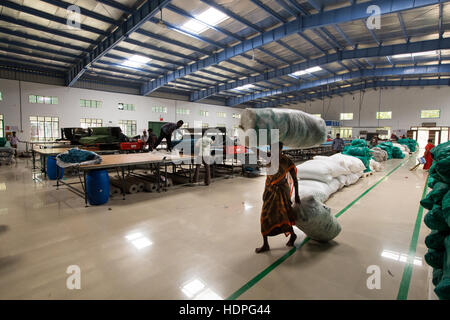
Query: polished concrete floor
point(198, 242)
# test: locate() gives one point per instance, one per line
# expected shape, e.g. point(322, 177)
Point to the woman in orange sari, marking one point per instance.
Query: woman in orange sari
point(277, 216)
point(427, 155)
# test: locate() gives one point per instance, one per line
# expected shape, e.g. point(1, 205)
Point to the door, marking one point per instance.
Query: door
point(156, 126)
point(434, 135)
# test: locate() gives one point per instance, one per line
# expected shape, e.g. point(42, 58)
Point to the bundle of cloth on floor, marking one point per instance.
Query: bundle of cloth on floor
point(297, 129)
point(319, 179)
point(360, 150)
point(410, 143)
point(77, 157)
point(437, 219)
point(379, 154)
point(392, 151)
point(6, 154)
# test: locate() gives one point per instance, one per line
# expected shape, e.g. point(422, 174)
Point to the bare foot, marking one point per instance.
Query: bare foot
point(264, 248)
point(291, 241)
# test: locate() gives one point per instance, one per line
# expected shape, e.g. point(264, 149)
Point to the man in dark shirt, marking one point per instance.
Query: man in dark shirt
point(151, 140)
point(338, 144)
point(166, 132)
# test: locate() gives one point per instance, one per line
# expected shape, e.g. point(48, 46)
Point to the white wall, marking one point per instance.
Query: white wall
point(404, 103)
point(69, 111)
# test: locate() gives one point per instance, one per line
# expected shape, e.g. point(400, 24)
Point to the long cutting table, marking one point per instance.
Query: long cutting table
point(123, 162)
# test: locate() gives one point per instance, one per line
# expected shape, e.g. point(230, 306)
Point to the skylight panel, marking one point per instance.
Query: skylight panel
point(210, 17)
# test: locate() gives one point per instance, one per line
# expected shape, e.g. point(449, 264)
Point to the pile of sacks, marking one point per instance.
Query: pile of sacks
point(403, 148)
point(392, 151)
point(410, 143)
point(360, 150)
point(379, 154)
point(323, 176)
point(438, 220)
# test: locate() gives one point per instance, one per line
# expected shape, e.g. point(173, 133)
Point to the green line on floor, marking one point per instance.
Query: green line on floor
point(407, 272)
point(270, 268)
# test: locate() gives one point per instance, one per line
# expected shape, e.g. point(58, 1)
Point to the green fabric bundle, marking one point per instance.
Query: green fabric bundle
point(98, 139)
point(363, 153)
point(443, 287)
point(397, 153)
point(386, 146)
point(435, 219)
point(438, 220)
point(435, 240)
point(359, 143)
point(412, 144)
point(101, 131)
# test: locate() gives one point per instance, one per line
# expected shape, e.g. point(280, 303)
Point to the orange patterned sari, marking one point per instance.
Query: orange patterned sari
point(276, 215)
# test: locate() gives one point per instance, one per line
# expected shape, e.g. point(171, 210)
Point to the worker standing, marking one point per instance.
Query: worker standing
point(166, 132)
point(151, 140)
point(338, 144)
point(204, 146)
point(427, 155)
point(277, 216)
point(14, 141)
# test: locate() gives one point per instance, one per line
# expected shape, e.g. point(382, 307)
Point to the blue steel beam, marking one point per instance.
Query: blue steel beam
point(47, 16)
point(331, 17)
point(340, 56)
point(353, 88)
point(134, 22)
point(28, 61)
point(30, 68)
point(51, 31)
point(26, 36)
point(83, 11)
point(38, 48)
point(407, 71)
point(36, 55)
point(269, 10)
point(116, 5)
point(315, 5)
point(403, 26)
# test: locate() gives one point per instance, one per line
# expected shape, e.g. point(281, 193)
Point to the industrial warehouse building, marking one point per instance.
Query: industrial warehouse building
point(103, 102)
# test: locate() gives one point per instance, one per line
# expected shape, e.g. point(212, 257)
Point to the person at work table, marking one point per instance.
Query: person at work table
point(277, 216)
point(338, 144)
point(166, 132)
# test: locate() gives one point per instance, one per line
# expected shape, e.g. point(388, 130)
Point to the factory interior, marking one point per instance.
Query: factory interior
point(224, 150)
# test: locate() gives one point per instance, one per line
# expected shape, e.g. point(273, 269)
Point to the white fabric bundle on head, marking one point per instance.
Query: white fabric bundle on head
point(297, 129)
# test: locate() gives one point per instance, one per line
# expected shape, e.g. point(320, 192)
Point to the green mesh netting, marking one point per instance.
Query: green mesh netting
point(437, 276)
point(362, 153)
point(435, 240)
point(435, 196)
point(442, 290)
point(435, 220)
point(411, 143)
point(435, 258)
point(441, 151)
point(359, 143)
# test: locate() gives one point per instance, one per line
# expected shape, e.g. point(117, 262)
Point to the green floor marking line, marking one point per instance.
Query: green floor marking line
point(407, 272)
point(270, 268)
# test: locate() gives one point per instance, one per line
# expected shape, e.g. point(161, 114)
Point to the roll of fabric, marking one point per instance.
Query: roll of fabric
point(297, 129)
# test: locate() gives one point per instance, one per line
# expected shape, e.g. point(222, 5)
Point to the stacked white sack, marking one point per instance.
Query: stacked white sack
point(375, 166)
point(297, 129)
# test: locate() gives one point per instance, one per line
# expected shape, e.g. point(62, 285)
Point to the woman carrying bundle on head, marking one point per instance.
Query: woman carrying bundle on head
point(277, 216)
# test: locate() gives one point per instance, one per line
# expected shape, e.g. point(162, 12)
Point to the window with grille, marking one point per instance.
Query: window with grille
point(205, 125)
point(90, 123)
point(90, 103)
point(346, 116)
point(384, 115)
point(221, 125)
point(126, 107)
point(236, 115)
point(159, 109)
point(42, 99)
point(183, 111)
point(44, 128)
point(221, 114)
point(1, 96)
point(128, 127)
point(204, 113)
point(430, 114)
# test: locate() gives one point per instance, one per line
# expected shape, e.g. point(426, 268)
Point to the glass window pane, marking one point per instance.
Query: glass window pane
point(40, 99)
point(54, 100)
point(32, 98)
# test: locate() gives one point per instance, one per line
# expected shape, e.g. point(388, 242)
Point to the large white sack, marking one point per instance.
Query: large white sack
point(353, 178)
point(315, 220)
point(375, 166)
point(342, 180)
point(337, 169)
point(354, 164)
point(320, 190)
point(335, 185)
point(315, 170)
point(297, 129)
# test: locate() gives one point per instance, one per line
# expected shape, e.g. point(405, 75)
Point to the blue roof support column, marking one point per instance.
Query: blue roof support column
point(135, 21)
point(407, 71)
point(346, 14)
point(382, 51)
